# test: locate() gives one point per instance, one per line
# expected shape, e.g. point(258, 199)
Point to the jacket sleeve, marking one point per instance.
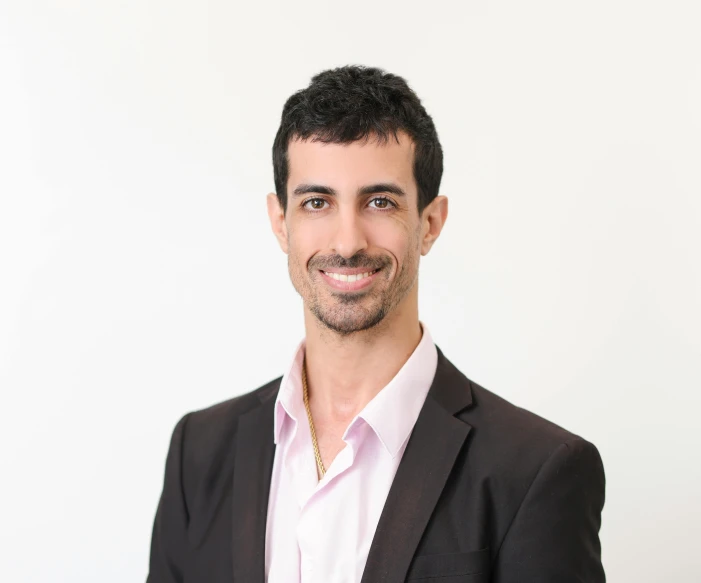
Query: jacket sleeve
point(554, 535)
point(169, 537)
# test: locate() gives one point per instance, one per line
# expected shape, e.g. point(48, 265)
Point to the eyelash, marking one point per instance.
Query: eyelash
point(392, 204)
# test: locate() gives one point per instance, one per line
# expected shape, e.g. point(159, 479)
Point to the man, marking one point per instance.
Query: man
point(373, 458)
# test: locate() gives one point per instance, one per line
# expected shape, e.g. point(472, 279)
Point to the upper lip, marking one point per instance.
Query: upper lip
point(346, 271)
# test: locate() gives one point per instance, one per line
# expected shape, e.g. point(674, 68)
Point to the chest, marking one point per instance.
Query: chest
point(320, 529)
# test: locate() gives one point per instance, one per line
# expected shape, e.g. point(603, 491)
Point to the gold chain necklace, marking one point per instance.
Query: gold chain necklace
point(319, 463)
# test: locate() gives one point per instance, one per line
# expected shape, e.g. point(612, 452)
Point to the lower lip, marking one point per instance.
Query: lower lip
point(350, 285)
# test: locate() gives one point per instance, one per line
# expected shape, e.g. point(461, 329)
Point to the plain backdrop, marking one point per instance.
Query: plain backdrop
point(139, 278)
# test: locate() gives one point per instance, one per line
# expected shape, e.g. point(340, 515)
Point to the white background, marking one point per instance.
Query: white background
point(139, 278)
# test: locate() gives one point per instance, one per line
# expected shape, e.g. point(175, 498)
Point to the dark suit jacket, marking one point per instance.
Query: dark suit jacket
point(485, 491)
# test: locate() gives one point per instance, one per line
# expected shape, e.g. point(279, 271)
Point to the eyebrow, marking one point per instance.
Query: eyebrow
point(378, 188)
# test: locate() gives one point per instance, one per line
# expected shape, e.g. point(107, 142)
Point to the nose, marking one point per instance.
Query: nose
point(350, 236)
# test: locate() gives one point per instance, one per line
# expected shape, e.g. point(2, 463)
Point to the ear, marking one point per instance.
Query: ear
point(277, 221)
point(432, 220)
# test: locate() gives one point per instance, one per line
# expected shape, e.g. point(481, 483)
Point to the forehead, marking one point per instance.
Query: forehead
point(352, 164)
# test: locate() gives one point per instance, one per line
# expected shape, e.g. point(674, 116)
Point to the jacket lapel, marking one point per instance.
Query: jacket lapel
point(423, 471)
point(253, 468)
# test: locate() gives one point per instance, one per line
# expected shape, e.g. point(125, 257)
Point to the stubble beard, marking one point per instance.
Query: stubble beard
point(346, 313)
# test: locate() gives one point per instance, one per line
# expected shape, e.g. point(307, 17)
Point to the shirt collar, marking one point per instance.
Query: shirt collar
point(392, 413)
point(289, 401)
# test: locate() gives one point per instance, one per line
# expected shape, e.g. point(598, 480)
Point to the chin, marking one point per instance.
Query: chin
point(350, 323)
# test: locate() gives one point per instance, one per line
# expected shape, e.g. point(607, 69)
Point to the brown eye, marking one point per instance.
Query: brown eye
point(316, 203)
point(382, 203)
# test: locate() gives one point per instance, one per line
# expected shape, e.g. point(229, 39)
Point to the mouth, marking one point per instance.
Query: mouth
point(349, 282)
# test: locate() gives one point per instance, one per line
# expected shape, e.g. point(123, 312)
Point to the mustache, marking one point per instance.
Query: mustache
point(354, 262)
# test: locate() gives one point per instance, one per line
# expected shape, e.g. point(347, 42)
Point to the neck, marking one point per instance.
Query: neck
point(345, 373)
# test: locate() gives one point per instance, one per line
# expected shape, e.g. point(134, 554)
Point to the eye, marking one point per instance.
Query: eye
point(317, 204)
point(385, 203)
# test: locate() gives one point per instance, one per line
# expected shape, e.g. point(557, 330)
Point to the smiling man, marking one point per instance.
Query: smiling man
point(372, 458)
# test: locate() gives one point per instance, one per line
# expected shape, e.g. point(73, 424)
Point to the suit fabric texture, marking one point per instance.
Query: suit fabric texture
point(485, 492)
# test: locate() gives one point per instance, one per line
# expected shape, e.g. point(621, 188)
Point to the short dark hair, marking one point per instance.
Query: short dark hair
point(353, 103)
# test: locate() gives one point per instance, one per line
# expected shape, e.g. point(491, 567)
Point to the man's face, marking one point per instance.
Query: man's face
point(352, 210)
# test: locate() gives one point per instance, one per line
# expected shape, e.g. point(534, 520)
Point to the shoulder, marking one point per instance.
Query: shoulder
point(511, 441)
point(224, 415)
point(208, 434)
point(494, 415)
point(512, 451)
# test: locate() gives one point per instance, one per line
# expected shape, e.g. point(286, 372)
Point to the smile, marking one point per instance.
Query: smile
point(349, 282)
point(351, 278)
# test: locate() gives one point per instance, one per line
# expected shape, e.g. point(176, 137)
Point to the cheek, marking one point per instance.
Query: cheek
point(303, 244)
point(400, 243)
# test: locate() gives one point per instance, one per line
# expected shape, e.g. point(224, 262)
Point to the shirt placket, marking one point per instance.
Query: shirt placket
point(312, 530)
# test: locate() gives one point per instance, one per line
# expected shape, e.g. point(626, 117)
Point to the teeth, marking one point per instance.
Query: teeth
point(349, 278)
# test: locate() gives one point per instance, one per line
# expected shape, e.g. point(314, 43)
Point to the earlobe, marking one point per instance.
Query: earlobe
point(277, 221)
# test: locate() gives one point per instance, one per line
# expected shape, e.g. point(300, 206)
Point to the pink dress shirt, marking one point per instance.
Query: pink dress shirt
point(321, 531)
